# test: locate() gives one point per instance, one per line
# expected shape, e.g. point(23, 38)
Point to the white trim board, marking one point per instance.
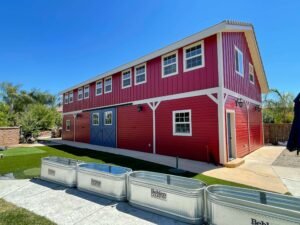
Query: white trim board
point(225, 26)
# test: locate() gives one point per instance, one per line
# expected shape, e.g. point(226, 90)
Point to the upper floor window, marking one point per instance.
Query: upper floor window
point(170, 64)
point(70, 97)
point(140, 74)
point(66, 98)
point(251, 73)
point(239, 61)
point(86, 91)
point(182, 123)
point(126, 78)
point(80, 94)
point(193, 56)
point(108, 85)
point(99, 87)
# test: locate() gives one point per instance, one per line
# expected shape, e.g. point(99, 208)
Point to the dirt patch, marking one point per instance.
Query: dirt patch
point(288, 159)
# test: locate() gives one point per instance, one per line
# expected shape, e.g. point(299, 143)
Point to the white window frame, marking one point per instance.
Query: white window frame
point(251, 73)
point(174, 122)
point(107, 78)
point(130, 78)
point(71, 94)
point(68, 121)
point(87, 87)
point(163, 66)
point(202, 54)
point(135, 75)
point(80, 89)
point(105, 113)
point(66, 98)
point(98, 81)
point(241, 73)
point(93, 119)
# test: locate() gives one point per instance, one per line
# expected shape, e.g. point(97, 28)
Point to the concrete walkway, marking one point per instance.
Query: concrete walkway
point(184, 164)
point(258, 171)
point(66, 206)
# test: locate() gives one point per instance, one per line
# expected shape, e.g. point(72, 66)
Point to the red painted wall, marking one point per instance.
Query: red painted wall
point(204, 139)
point(68, 135)
point(202, 78)
point(82, 128)
point(242, 131)
point(135, 128)
point(232, 80)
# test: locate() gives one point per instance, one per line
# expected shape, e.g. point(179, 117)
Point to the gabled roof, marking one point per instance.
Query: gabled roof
point(225, 26)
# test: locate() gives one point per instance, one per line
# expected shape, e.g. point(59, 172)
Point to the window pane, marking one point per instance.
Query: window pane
point(126, 83)
point(170, 69)
point(182, 128)
point(197, 61)
point(140, 78)
point(197, 50)
point(140, 70)
point(170, 59)
point(108, 118)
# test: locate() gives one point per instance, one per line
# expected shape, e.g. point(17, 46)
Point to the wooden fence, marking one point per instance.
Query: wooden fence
point(276, 132)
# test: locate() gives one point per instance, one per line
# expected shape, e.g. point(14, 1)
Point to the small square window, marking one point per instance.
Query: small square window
point(140, 74)
point(99, 87)
point(70, 97)
point(86, 91)
point(68, 125)
point(80, 94)
point(108, 85)
point(239, 61)
point(193, 56)
point(182, 125)
point(95, 119)
point(126, 79)
point(108, 118)
point(251, 74)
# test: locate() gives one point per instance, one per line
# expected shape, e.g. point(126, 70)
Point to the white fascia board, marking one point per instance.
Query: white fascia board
point(72, 113)
point(237, 95)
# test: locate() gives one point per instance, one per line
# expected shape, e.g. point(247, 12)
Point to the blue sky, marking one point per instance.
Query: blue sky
point(54, 44)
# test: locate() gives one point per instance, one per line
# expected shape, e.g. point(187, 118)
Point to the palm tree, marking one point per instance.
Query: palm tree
point(279, 106)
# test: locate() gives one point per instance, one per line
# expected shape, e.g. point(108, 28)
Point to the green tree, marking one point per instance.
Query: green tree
point(278, 107)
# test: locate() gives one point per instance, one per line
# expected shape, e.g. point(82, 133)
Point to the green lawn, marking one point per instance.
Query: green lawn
point(26, 162)
point(12, 215)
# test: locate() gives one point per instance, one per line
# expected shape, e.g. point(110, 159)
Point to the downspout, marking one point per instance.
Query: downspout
point(74, 138)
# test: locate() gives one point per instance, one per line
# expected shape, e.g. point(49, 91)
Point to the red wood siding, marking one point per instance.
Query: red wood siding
point(68, 135)
point(82, 128)
point(202, 78)
point(203, 144)
point(243, 130)
point(135, 128)
point(232, 80)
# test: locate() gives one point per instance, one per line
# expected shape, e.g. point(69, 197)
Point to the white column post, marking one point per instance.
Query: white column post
point(74, 115)
point(153, 106)
point(221, 102)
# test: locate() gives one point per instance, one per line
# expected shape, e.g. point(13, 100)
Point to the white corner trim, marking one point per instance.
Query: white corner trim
point(221, 105)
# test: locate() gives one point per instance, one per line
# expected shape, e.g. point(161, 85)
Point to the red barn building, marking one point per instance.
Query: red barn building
point(198, 98)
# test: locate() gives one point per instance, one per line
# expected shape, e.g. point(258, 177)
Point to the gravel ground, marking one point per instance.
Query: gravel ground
point(288, 159)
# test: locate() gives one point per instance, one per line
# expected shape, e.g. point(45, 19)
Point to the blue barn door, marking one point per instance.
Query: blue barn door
point(109, 127)
point(103, 127)
point(95, 134)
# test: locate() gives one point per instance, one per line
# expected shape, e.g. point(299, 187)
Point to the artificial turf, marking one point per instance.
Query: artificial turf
point(26, 162)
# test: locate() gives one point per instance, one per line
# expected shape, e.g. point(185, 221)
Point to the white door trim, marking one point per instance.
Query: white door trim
point(233, 129)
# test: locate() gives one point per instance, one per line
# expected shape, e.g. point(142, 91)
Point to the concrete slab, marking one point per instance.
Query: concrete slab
point(66, 206)
point(184, 164)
